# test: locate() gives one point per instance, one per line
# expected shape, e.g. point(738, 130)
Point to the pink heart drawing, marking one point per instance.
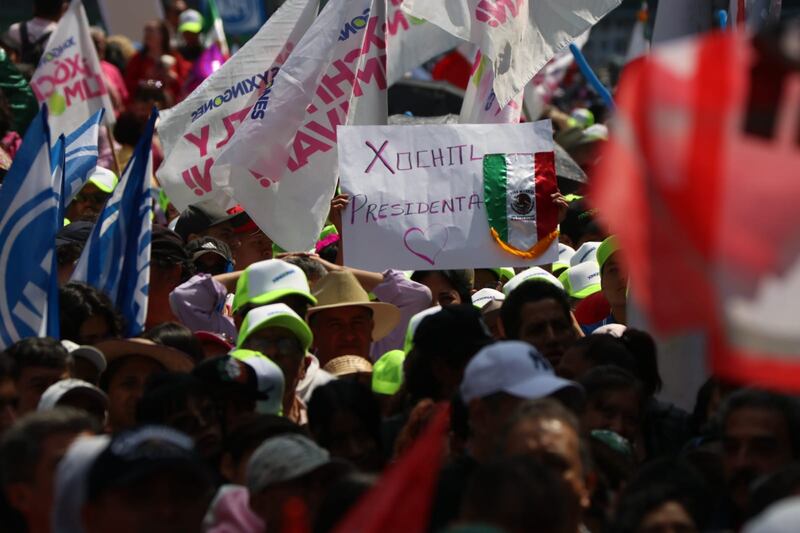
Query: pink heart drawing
point(426, 247)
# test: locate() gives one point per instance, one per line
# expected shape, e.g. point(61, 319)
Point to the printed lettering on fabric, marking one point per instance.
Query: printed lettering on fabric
point(69, 78)
point(417, 194)
point(195, 131)
point(331, 102)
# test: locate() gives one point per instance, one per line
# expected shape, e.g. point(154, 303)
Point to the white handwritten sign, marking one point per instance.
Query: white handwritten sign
point(417, 194)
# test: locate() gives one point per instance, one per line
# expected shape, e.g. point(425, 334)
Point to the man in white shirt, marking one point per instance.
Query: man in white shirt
point(28, 38)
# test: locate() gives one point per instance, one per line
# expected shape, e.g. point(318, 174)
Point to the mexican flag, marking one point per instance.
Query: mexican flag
point(213, 29)
point(517, 190)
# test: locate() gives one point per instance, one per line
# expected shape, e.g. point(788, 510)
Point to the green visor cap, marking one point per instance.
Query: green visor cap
point(606, 249)
point(275, 315)
point(387, 372)
point(267, 281)
point(503, 273)
point(581, 280)
point(104, 179)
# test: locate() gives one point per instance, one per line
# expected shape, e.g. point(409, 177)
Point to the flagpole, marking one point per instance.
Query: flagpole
point(110, 139)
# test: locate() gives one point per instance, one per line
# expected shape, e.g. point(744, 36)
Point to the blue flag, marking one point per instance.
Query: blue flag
point(81, 155)
point(29, 202)
point(116, 259)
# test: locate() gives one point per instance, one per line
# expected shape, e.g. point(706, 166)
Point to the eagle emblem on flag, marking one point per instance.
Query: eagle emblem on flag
point(518, 191)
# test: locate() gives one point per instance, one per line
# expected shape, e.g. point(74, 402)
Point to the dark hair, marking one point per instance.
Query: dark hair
point(519, 494)
point(530, 291)
point(48, 8)
point(78, 302)
point(252, 429)
point(176, 336)
point(163, 29)
point(342, 496)
point(341, 395)
point(606, 350)
point(330, 252)
point(451, 336)
point(168, 249)
point(21, 446)
point(167, 393)
point(550, 408)
point(309, 267)
point(769, 401)
point(606, 378)
point(128, 128)
point(657, 483)
point(68, 253)
point(6, 366)
point(460, 280)
point(37, 352)
point(644, 348)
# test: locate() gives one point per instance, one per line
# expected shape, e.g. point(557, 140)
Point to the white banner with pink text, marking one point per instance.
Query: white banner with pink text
point(417, 194)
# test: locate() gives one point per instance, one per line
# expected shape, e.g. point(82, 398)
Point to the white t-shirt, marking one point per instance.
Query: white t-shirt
point(36, 28)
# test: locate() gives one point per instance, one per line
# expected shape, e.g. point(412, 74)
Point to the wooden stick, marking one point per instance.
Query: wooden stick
point(110, 138)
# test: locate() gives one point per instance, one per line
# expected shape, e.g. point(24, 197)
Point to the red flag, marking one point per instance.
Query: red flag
point(699, 183)
point(401, 501)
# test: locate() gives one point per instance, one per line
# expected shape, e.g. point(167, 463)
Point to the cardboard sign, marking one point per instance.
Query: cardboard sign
point(417, 200)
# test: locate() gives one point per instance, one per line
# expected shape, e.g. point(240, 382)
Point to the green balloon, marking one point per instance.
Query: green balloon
point(57, 104)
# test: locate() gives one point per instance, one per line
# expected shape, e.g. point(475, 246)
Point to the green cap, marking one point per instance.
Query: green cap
point(275, 315)
point(387, 372)
point(504, 273)
point(104, 179)
point(330, 229)
point(266, 281)
point(606, 249)
point(581, 280)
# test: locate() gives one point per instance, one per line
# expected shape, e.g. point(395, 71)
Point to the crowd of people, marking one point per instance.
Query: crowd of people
point(271, 389)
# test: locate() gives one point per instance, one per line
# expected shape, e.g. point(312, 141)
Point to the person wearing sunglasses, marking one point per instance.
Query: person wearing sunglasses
point(89, 202)
point(280, 334)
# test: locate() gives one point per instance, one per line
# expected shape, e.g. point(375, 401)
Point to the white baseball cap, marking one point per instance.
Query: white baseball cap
point(58, 391)
point(413, 324)
point(586, 252)
point(484, 297)
point(780, 517)
point(69, 492)
point(269, 379)
point(265, 282)
point(284, 458)
point(581, 280)
point(615, 330)
point(528, 275)
point(104, 179)
point(90, 353)
point(513, 367)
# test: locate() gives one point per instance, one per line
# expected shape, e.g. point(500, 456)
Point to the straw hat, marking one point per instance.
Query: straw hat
point(344, 365)
point(342, 289)
point(171, 359)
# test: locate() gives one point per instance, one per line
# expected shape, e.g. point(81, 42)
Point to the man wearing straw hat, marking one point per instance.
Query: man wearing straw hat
point(345, 321)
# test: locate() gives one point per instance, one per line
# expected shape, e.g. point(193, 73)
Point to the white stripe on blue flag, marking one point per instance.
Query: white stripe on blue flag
point(82, 150)
point(116, 259)
point(28, 226)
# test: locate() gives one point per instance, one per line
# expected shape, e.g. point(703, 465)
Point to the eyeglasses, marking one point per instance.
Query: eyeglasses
point(285, 346)
point(94, 199)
